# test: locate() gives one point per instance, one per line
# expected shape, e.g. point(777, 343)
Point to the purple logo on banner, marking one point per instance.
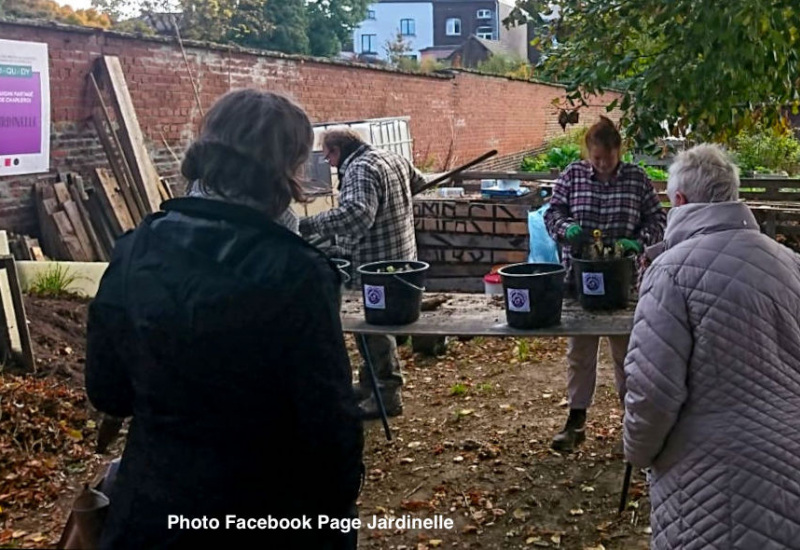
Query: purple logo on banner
point(20, 115)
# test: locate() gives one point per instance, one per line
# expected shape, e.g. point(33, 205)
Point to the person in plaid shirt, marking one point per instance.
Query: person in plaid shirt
point(373, 222)
point(617, 198)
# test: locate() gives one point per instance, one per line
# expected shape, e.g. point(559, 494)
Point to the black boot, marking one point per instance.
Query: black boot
point(392, 402)
point(573, 434)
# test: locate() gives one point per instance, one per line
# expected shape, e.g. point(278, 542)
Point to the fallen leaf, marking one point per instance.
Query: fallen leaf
point(547, 395)
point(414, 444)
point(587, 489)
point(576, 512)
point(77, 435)
point(435, 543)
point(458, 458)
point(406, 460)
point(520, 514)
point(18, 534)
point(465, 412)
point(563, 402)
point(470, 529)
point(531, 540)
point(556, 539)
point(647, 531)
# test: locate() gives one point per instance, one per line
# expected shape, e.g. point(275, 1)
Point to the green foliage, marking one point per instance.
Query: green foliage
point(764, 150)
point(485, 387)
point(506, 65)
point(48, 10)
point(576, 136)
point(556, 157)
point(331, 24)
point(291, 26)
point(54, 281)
point(397, 51)
point(458, 389)
point(698, 66)
point(523, 350)
point(655, 173)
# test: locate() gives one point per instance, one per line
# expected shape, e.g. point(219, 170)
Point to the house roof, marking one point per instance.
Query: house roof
point(162, 22)
point(492, 46)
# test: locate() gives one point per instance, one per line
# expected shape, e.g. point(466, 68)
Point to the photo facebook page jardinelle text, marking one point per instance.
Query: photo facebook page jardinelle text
point(345, 525)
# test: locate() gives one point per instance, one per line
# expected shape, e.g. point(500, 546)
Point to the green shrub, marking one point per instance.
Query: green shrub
point(54, 281)
point(764, 150)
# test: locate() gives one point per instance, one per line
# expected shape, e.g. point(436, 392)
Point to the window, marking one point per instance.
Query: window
point(369, 43)
point(453, 27)
point(487, 33)
point(484, 14)
point(407, 27)
point(371, 14)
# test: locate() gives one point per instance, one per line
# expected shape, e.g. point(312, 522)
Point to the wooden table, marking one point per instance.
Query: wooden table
point(482, 315)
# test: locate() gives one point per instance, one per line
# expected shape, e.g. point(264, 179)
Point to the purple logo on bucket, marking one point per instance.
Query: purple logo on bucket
point(519, 300)
point(594, 284)
point(374, 297)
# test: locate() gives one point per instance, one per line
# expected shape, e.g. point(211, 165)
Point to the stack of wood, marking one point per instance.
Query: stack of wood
point(132, 171)
point(25, 247)
point(80, 221)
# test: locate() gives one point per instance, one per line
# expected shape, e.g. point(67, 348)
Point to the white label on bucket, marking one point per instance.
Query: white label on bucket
point(374, 297)
point(593, 284)
point(519, 300)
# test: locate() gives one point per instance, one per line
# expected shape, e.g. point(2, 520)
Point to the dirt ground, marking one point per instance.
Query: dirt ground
point(472, 446)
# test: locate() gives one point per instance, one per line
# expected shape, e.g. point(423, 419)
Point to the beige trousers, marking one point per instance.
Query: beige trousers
point(582, 368)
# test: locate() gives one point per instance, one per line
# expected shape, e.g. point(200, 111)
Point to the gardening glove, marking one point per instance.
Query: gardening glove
point(574, 233)
point(630, 245)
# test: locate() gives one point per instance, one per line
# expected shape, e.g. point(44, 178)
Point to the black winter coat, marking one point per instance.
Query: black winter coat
point(218, 331)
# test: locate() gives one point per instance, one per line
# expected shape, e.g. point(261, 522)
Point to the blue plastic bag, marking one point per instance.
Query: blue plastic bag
point(543, 249)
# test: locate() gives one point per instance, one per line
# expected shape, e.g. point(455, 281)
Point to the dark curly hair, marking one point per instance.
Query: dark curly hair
point(252, 145)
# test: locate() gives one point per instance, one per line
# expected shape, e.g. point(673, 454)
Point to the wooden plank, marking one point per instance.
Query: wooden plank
point(452, 240)
point(454, 284)
point(37, 254)
point(133, 145)
point(480, 315)
point(97, 247)
point(122, 173)
point(46, 207)
point(499, 175)
point(467, 255)
point(68, 236)
point(102, 225)
point(28, 361)
point(438, 270)
point(112, 201)
point(62, 194)
point(29, 244)
point(478, 227)
point(80, 229)
point(163, 190)
point(470, 209)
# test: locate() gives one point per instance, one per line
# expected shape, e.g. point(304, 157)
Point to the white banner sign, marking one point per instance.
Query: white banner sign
point(24, 108)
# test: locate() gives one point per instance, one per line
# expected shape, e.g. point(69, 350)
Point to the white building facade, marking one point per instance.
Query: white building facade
point(413, 20)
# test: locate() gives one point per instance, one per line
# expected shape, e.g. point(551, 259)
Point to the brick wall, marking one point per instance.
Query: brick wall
point(454, 117)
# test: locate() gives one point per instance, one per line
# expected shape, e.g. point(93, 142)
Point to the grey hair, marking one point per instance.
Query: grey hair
point(704, 173)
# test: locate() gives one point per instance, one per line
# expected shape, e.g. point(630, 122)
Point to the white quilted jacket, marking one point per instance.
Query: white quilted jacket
point(713, 384)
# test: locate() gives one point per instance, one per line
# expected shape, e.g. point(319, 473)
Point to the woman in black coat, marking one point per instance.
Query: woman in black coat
point(218, 331)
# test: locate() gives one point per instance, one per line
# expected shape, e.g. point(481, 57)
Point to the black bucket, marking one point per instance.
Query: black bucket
point(603, 284)
point(533, 294)
point(392, 298)
point(344, 269)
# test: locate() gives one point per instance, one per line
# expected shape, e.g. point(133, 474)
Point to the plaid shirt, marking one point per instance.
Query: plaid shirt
point(626, 207)
point(375, 217)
